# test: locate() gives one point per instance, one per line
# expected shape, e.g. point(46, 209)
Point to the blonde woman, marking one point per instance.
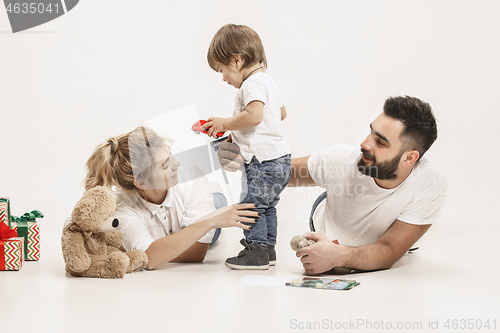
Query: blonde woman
point(171, 220)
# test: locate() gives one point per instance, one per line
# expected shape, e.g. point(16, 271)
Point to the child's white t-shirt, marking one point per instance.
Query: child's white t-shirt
point(357, 211)
point(265, 140)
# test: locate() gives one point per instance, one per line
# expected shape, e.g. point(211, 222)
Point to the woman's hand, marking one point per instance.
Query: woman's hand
point(233, 216)
point(173, 246)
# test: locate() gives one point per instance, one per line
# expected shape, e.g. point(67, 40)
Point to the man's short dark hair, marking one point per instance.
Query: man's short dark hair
point(420, 128)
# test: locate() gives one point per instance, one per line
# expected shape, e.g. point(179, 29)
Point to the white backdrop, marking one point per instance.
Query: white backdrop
point(108, 66)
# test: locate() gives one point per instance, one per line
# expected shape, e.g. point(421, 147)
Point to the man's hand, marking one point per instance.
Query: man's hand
point(325, 255)
point(229, 156)
point(322, 256)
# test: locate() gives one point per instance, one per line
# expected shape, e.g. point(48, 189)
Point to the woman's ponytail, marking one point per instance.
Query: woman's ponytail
point(100, 165)
point(111, 163)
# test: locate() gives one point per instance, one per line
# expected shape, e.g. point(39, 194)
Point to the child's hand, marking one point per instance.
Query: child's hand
point(216, 125)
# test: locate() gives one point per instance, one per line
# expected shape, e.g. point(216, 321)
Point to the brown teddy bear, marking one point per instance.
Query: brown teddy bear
point(91, 242)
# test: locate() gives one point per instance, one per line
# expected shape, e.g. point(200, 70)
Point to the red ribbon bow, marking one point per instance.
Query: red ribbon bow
point(6, 232)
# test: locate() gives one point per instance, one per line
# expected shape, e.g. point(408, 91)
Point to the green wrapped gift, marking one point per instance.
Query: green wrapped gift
point(27, 227)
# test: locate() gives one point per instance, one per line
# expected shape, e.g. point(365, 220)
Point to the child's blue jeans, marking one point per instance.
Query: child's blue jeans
point(262, 184)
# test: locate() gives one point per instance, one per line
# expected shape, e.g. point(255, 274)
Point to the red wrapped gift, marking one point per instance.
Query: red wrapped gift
point(11, 249)
point(5, 210)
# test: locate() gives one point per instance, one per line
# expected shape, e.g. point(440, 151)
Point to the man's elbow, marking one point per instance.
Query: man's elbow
point(385, 266)
point(390, 258)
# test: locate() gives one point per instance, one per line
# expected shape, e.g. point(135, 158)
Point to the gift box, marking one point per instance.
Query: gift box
point(11, 249)
point(27, 228)
point(5, 210)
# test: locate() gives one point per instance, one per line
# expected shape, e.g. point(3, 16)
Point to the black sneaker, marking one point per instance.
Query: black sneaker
point(254, 257)
point(272, 255)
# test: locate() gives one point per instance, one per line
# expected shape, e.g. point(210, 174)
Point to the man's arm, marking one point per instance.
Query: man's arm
point(325, 255)
point(231, 160)
point(300, 175)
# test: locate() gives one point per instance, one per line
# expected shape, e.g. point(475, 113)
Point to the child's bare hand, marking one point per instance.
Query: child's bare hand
point(215, 125)
point(234, 215)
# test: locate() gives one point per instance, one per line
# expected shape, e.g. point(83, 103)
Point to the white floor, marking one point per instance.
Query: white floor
point(454, 275)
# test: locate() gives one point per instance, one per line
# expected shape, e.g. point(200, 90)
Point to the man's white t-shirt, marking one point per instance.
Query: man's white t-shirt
point(142, 222)
point(264, 141)
point(357, 211)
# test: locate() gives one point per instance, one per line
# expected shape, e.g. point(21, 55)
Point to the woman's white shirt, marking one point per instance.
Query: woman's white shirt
point(142, 222)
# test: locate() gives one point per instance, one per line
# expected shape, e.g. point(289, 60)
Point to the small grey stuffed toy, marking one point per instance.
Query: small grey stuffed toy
point(301, 241)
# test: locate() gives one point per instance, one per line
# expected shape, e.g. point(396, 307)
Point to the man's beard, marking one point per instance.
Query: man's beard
point(385, 170)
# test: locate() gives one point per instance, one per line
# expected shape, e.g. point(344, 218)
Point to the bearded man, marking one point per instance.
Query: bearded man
point(379, 199)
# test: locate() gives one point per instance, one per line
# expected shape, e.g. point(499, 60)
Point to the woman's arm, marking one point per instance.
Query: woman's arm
point(196, 253)
point(174, 246)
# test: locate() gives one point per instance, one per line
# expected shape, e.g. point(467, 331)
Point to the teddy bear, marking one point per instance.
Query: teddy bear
point(91, 242)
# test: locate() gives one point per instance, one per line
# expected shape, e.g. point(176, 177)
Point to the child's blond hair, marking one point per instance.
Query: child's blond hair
point(236, 40)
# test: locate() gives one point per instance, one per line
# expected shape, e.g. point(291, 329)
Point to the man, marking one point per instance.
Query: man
point(379, 199)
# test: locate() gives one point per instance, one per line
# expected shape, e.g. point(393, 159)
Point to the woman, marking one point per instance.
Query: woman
point(171, 221)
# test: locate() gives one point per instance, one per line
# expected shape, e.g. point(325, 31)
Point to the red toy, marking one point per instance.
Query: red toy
point(197, 128)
